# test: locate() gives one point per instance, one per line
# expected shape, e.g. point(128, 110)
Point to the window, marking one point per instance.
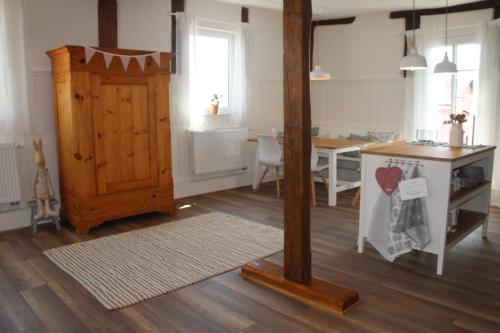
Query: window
point(457, 93)
point(214, 53)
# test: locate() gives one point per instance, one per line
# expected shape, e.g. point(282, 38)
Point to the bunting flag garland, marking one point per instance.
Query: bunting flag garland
point(156, 57)
point(141, 60)
point(108, 57)
point(89, 53)
point(125, 59)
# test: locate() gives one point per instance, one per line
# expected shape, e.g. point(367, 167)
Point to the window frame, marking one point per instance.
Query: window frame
point(207, 31)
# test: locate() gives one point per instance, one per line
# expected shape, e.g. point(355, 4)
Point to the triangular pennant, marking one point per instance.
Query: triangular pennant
point(107, 59)
point(156, 57)
point(141, 60)
point(89, 53)
point(125, 61)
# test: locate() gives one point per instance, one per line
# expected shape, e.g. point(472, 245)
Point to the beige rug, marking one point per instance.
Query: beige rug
point(128, 268)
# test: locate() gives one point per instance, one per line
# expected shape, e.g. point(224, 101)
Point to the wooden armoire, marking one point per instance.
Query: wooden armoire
point(113, 135)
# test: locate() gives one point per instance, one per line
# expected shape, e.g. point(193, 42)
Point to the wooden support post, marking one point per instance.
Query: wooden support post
point(294, 279)
point(177, 6)
point(108, 23)
point(297, 154)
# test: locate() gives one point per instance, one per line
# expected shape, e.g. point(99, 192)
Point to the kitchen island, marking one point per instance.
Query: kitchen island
point(436, 165)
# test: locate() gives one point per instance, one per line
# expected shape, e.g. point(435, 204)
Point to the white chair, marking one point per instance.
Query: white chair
point(270, 154)
point(317, 166)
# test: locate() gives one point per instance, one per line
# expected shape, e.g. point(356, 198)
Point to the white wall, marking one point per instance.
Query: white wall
point(265, 91)
point(368, 91)
point(142, 25)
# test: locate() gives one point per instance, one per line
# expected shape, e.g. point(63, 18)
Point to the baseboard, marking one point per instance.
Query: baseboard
point(15, 219)
point(190, 188)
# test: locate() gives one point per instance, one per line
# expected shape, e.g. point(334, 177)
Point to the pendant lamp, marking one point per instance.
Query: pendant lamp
point(318, 74)
point(413, 61)
point(446, 66)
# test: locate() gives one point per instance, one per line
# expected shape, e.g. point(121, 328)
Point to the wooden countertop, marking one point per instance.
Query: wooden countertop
point(436, 153)
point(330, 143)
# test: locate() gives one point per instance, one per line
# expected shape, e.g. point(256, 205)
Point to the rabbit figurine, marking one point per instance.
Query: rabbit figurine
point(42, 186)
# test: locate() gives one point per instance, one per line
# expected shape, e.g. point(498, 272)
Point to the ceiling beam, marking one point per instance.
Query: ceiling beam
point(177, 6)
point(479, 5)
point(245, 15)
point(108, 23)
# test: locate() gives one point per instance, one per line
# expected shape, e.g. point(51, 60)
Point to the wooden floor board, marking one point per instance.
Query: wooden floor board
point(404, 296)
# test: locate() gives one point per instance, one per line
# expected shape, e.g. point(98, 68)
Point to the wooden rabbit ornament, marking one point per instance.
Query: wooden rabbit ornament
point(43, 191)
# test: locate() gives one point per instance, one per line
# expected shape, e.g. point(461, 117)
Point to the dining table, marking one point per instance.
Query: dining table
point(329, 148)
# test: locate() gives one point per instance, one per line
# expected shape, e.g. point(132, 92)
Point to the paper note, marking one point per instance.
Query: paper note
point(413, 188)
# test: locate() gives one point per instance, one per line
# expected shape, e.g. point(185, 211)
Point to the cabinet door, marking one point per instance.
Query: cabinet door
point(124, 113)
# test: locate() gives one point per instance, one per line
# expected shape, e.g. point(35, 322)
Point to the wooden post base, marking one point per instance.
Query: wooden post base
point(316, 292)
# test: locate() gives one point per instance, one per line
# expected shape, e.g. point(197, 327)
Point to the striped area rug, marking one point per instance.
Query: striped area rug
point(131, 267)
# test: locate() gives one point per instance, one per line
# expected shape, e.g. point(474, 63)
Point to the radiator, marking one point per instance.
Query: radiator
point(219, 150)
point(10, 190)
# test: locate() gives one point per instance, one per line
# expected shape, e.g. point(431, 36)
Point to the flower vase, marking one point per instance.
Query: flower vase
point(456, 135)
point(213, 109)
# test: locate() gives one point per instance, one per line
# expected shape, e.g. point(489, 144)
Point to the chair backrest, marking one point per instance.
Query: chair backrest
point(314, 157)
point(270, 151)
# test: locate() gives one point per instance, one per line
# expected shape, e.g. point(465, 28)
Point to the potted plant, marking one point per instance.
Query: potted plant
point(214, 104)
point(457, 130)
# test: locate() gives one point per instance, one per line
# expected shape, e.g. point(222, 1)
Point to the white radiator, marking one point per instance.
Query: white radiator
point(10, 190)
point(219, 150)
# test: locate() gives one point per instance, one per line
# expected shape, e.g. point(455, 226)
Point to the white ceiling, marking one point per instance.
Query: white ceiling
point(344, 8)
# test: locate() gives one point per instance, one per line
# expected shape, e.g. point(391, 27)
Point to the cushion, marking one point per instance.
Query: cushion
point(382, 136)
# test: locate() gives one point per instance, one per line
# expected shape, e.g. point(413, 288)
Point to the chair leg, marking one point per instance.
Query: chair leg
point(278, 182)
point(356, 197)
point(325, 181)
point(313, 190)
point(261, 179)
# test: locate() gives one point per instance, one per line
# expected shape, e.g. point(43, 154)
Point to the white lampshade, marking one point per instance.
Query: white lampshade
point(413, 61)
point(445, 66)
point(319, 75)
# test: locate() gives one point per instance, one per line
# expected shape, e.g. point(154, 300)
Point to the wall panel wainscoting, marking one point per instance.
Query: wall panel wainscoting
point(344, 106)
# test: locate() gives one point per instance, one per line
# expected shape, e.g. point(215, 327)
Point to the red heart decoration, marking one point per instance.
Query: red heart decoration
point(388, 179)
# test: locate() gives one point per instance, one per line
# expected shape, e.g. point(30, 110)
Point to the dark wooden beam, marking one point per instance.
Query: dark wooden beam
point(318, 23)
point(344, 20)
point(408, 14)
point(177, 7)
point(297, 153)
point(108, 23)
point(245, 15)
point(294, 279)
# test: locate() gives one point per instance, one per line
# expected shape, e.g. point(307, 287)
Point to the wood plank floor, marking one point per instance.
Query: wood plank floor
point(405, 296)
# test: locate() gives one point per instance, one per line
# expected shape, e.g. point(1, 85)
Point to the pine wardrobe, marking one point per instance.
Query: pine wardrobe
point(113, 135)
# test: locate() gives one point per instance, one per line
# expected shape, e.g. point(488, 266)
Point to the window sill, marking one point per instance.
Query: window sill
point(218, 115)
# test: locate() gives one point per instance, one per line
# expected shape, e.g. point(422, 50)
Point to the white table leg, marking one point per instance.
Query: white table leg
point(484, 230)
point(255, 182)
point(332, 178)
point(440, 264)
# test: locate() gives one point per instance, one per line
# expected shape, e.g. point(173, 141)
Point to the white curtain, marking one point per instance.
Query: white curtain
point(191, 108)
point(190, 113)
point(420, 99)
point(488, 117)
point(14, 120)
point(239, 103)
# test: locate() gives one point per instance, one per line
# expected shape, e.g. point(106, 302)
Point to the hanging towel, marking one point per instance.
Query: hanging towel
point(381, 233)
point(413, 219)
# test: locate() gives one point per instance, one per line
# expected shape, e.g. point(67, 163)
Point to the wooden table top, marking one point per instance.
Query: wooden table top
point(330, 143)
point(436, 153)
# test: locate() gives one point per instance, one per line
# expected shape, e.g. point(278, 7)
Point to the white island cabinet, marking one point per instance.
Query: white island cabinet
point(437, 164)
